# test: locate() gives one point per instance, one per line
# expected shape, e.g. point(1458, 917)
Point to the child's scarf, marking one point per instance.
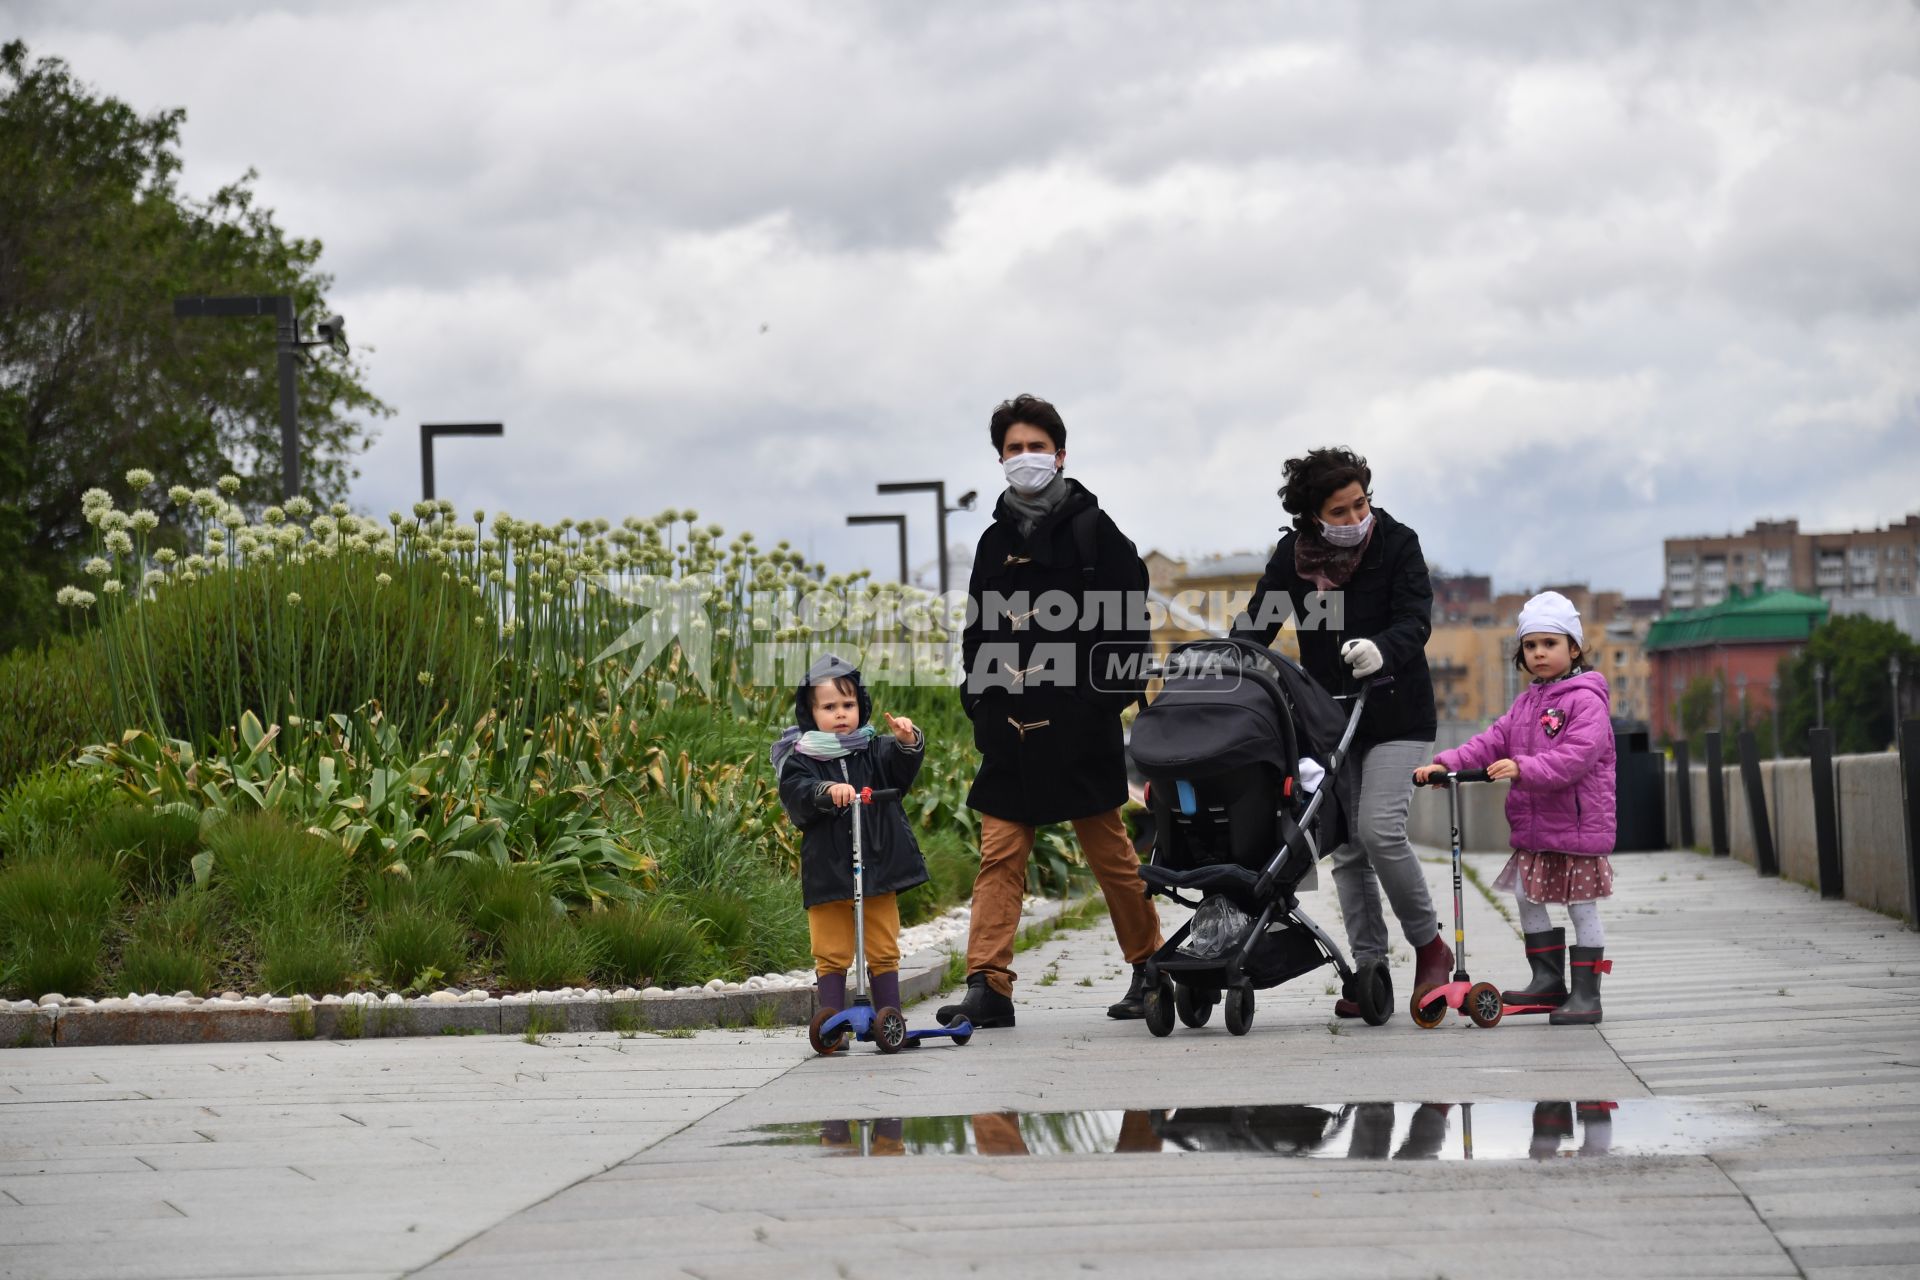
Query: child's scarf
point(818, 743)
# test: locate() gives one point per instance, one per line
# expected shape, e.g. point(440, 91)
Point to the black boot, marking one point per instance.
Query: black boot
point(1552, 1125)
point(1133, 1004)
point(1547, 953)
point(1583, 1006)
point(982, 1006)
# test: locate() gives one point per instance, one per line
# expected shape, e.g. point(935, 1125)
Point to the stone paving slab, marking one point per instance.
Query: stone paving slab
point(597, 1152)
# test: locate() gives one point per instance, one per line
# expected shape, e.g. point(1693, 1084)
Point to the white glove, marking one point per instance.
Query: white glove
point(1363, 656)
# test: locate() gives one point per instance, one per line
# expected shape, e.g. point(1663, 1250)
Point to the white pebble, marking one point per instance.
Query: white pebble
point(394, 997)
point(715, 984)
point(51, 999)
point(651, 992)
point(443, 997)
point(233, 996)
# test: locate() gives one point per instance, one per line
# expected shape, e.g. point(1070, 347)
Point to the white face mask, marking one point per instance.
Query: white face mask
point(1030, 472)
point(1347, 535)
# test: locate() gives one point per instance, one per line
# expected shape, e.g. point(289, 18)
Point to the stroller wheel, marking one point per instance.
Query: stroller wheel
point(1484, 1004)
point(1373, 992)
point(889, 1030)
point(1192, 1004)
point(1426, 1016)
point(1239, 1009)
point(1157, 1005)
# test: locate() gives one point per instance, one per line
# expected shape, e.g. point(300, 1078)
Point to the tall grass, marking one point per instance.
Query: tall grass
point(54, 915)
point(174, 945)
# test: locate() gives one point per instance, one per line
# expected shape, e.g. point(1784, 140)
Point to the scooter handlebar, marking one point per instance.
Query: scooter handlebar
point(870, 794)
point(1447, 779)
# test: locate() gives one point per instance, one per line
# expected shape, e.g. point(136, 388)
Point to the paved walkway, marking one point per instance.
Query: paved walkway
point(1789, 1022)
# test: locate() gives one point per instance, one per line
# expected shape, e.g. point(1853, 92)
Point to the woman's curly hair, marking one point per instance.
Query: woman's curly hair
point(1317, 475)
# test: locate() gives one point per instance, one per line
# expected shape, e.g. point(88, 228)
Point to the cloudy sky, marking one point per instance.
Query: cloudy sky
point(1574, 276)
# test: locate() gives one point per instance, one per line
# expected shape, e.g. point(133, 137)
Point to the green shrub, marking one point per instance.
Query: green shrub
point(501, 897)
point(42, 812)
point(546, 952)
point(54, 915)
point(415, 926)
point(760, 927)
point(154, 850)
point(305, 954)
point(174, 946)
point(952, 864)
point(58, 700)
point(268, 868)
point(647, 944)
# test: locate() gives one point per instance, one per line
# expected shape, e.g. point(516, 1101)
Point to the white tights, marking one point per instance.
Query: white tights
point(1587, 930)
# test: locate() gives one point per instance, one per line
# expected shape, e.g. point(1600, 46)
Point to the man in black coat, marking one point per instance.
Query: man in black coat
point(1056, 632)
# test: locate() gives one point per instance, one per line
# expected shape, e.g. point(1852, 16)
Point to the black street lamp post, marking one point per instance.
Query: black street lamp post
point(430, 431)
point(899, 522)
point(938, 488)
point(288, 347)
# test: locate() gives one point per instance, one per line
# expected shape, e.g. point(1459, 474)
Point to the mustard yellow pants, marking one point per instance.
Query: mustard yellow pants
point(831, 927)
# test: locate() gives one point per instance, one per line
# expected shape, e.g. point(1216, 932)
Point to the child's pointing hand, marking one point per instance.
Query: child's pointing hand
point(902, 728)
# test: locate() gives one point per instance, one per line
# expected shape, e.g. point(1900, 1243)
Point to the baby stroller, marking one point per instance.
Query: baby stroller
point(1243, 753)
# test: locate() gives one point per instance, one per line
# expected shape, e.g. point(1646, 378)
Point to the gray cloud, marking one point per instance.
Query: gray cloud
point(1574, 276)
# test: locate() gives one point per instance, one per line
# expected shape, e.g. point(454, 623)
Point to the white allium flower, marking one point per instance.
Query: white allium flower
point(274, 515)
point(323, 526)
point(423, 510)
point(480, 516)
point(233, 517)
point(299, 507)
point(187, 575)
point(425, 678)
point(166, 555)
point(384, 579)
point(293, 598)
point(196, 564)
point(95, 498)
point(66, 596)
point(145, 521)
point(153, 578)
point(327, 550)
point(83, 599)
point(508, 627)
point(338, 509)
point(180, 495)
point(393, 517)
point(139, 478)
point(287, 538)
point(111, 520)
point(113, 586)
point(119, 542)
point(228, 484)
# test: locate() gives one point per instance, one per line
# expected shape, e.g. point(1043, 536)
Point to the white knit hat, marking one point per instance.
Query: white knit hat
point(1550, 612)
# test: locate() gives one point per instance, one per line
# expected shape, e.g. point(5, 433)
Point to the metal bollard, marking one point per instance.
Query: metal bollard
point(1910, 798)
point(1683, 790)
point(1717, 796)
point(1765, 861)
point(1826, 815)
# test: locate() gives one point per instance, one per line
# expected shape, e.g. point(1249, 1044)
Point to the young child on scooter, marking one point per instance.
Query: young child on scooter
point(1556, 744)
point(823, 761)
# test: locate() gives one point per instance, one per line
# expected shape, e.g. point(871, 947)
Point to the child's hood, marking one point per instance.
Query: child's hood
point(1587, 682)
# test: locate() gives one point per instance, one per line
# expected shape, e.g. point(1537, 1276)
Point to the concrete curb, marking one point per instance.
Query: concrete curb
point(219, 1022)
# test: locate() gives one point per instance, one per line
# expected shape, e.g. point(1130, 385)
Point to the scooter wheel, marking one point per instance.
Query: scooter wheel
point(1484, 1004)
point(820, 1045)
point(890, 1030)
point(1239, 1002)
point(1373, 992)
point(962, 1038)
point(1192, 1004)
point(1158, 1007)
point(1426, 1016)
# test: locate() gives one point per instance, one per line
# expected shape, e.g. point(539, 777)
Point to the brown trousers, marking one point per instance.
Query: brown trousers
point(1002, 883)
point(831, 927)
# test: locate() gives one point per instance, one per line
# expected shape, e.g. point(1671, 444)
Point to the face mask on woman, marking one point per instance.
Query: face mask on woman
point(1347, 535)
point(1030, 472)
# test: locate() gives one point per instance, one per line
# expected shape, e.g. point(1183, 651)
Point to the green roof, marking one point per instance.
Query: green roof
point(1761, 618)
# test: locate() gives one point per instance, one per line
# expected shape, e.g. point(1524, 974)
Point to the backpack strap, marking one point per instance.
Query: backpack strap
point(1086, 543)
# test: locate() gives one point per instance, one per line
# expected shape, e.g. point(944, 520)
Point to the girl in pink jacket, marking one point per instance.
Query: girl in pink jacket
point(1556, 744)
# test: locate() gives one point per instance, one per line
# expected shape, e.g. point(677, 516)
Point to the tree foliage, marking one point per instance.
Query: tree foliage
point(1859, 693)
point(96, 240)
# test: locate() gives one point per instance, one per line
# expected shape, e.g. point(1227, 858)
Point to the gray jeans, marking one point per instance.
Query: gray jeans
point(1379, 854)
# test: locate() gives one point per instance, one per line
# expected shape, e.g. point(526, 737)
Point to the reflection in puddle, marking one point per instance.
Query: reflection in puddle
point(1350, 1130)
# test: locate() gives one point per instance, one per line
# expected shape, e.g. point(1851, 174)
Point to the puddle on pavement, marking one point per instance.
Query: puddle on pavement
point(1332, 1131)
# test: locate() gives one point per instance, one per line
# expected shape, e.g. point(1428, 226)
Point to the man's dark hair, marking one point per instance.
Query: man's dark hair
point(1317, 476)
point(1031, 410)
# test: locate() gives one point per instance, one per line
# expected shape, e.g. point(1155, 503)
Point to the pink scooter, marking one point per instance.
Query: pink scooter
point(1479, 1001)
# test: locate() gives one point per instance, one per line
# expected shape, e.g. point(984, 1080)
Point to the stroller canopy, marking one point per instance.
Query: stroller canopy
point(1227, 703)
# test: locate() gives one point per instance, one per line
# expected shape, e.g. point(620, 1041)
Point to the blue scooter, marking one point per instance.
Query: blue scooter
point(886, 1028)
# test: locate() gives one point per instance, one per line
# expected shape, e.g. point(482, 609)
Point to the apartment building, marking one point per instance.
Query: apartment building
point(1774, 555)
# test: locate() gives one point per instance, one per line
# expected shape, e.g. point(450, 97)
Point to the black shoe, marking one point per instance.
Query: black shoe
point(1133, 1004)
point(1547, 956)
point(1583, 1006)
point(984, 1007)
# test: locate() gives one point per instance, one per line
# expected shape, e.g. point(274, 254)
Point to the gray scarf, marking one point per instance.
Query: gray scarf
point(1030, 511)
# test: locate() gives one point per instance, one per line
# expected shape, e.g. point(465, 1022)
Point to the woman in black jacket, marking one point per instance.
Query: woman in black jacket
point(1355, 581)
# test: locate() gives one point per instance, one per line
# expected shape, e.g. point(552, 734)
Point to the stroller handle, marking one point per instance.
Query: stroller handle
point(1447, 779)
